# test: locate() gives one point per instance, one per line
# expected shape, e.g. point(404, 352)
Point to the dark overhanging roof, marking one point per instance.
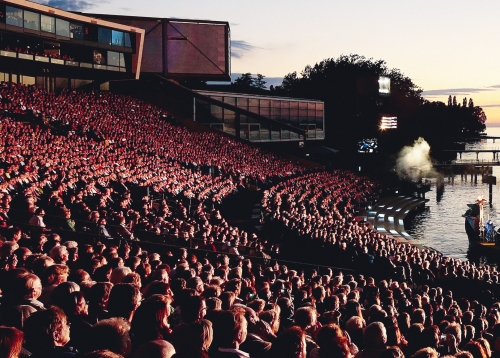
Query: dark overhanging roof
point(237, 110)
point(158, 18)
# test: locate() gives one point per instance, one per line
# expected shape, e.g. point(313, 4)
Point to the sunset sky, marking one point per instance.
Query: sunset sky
point(445, 47)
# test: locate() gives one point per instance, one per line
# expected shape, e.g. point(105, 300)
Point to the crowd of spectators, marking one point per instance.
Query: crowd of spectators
point(28, 51)
point(76, 279)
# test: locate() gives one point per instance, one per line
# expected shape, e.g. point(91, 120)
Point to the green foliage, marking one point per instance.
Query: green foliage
point(259, 82)
point(247, 81)
point(340, 84)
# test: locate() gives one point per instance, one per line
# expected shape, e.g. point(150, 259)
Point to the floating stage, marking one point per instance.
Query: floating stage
point(387, 216)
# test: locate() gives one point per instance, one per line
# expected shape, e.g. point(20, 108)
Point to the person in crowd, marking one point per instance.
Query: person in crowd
point(69, 185)
point(156, 349)
point(291, 343)
point(150, 321)
point(124, 299)
point(230, 331)
point(11, 342)
point(47, 334)
point(112, 334)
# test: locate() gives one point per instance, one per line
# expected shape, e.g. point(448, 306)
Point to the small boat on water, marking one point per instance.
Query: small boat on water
point(480, 234)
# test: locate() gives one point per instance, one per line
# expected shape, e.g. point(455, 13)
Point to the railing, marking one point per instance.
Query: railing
point(475, 161)
point(59, 61)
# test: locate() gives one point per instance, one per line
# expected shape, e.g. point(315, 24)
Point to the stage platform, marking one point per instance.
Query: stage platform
point(387, 216)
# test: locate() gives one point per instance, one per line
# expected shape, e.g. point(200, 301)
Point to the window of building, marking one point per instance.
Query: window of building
point(31, 20)
point(76, 31)
point(99, 58)
point(128, 42)
point(62, 28)
point(104, 36)
point(14, 16)
point(48, 24)
point(117, 38)
point(113, 58)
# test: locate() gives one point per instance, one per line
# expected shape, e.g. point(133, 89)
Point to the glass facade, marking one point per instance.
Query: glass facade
point(48, 24)
point(307, 115)
point(76, 31)
point(31, 20)
point(104, 36)
point(117, 38)
point(62, 27)
point(14, 16)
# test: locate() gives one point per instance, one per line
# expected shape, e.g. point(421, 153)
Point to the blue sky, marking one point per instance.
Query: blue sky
point(445, 47)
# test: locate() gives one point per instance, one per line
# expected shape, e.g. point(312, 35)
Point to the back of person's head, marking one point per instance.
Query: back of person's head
point(463, 354)
point(213, 303)
point(291, 343)
point(418, 316)
point(101, 353)
point(55, 274)
point(391, 352)
point(155, 349)
point(123, 300)
point(476, 349)
point(156, 288)
point(257, 305)
point(102, 273)
point(195, 337)
point(133, 278)
point(228, 327)
point(118, 274)
point(99, 294)
point(150, 320)
point(60, 295)
point(429, 336)
point(44, 328)
point(328, 333)
point(272, 318)
point(331, 303)
point(40, 264)
point(354, 323)
point(25, 286)
point(486, 345)
point(305, 317)
point(59, 253)
point(375, 335)
point(227, 299)
point(193, 308)
point(16, 316)
point(112, 334)
point(455, 330)
point(11, 342)
point(426, 353)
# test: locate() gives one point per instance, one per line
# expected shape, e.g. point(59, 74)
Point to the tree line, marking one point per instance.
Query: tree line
point(353, 107)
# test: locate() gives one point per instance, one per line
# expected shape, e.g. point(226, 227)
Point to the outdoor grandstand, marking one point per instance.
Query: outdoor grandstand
point(113, 243)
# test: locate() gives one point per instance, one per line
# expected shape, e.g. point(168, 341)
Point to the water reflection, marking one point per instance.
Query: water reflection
point(442, 226)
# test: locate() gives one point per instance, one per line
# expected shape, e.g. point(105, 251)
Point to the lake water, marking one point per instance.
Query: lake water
point(441, 225)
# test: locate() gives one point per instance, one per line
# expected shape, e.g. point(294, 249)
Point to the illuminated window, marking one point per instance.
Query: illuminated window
point(48, 24)
point(76, 31)
point(113, 58)
point(117, 38)
point(14, 16)
point(31, 20)
point(384, 85)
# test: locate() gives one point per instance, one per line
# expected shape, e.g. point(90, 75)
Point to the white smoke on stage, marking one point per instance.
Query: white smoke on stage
point(414, 162)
